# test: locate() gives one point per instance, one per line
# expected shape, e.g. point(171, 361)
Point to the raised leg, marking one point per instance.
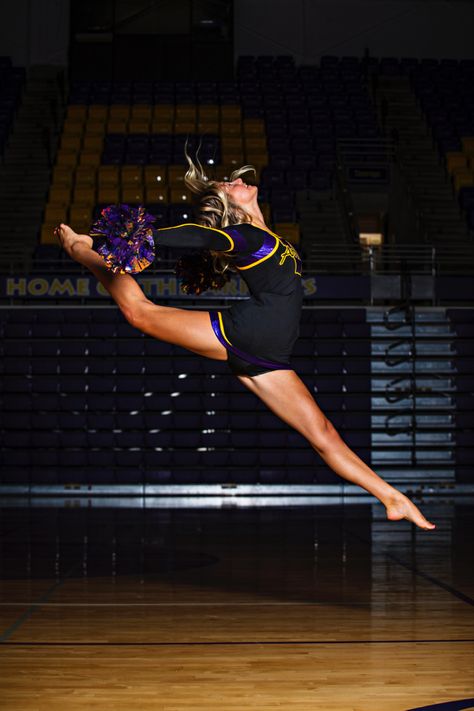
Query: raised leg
point(288, 397)
point(184, 327)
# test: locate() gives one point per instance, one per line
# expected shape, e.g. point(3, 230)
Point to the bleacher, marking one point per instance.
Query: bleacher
point(124, 141)
point(11, 83)
point(444, 90)
point(462, 325)
point(88, 400)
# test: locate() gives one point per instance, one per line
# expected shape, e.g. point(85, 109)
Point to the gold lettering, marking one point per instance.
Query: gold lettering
point(230, 288)
point(61, 287)
point(16, 287)
point(38, 287)
point(309, 286)
point(165, 286)
point(146, 283)
point(243, 286)
point(83, 285)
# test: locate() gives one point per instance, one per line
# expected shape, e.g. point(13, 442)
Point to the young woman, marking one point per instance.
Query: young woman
point(255, 335)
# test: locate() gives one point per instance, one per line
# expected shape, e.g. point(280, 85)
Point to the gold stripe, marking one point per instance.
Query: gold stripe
point(278, 242)
point(204, 227)
point(265, 229)
point(267, 256)
point(222, 327)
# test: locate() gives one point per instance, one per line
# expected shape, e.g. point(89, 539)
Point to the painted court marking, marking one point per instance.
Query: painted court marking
point(458, 705)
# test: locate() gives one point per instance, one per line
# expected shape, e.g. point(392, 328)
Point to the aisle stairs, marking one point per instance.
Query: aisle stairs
point(324, 233)
point(441, 221)
point(25, 172)
point(413, 386)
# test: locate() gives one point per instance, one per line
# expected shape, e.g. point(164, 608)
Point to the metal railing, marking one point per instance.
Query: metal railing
point(320, 259)
point(390, 259)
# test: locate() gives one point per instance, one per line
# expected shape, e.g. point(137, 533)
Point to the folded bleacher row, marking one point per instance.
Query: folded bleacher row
point(82, 390)
point(88, 399)
point(12, 80)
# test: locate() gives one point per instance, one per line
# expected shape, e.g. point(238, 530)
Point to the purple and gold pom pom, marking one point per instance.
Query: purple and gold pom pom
point(123, 236)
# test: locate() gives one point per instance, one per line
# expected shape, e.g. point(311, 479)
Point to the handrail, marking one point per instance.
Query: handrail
point(322, 259)
point(408, 320)
point(344, 197)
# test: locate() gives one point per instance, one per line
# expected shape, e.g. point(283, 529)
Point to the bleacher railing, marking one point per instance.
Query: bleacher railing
point(355, 259)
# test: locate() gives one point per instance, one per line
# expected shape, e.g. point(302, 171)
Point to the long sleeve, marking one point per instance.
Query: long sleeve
point(193, 235)
point(126, 240)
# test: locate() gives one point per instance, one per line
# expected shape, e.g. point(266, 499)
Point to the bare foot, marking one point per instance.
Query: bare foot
point(400, 506)
point(70, 240)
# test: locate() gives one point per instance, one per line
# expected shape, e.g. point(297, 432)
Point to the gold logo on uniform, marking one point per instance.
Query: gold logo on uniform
point(291, 252)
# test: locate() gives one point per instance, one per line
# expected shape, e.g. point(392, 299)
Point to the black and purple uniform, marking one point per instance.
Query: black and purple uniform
point(258, 332)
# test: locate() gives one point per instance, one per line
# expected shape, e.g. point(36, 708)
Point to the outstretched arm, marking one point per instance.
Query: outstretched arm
point(193, 235)
point(125, 238)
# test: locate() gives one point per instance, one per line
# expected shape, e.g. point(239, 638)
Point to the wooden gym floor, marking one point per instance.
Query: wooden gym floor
point(111, 607)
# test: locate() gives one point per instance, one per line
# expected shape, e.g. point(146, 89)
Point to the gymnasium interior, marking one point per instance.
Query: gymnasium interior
point(166, 541)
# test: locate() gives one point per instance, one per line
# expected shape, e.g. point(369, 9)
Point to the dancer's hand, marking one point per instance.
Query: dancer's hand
point(70, 241)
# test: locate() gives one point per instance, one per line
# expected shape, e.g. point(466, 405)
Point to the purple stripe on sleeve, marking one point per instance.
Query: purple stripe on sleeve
point(239, 240)
point(266, 248)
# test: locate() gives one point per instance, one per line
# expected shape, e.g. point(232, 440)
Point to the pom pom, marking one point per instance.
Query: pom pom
point(196, 272)
point(124, 238)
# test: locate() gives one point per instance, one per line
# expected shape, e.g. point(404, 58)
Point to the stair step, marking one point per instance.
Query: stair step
point(401, 439)
point(436, 331)
point(444, 368)
point(431, 458)
point(402, 420)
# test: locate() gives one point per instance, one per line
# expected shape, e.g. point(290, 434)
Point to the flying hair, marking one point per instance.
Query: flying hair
point(210, 270)
point(213, 205)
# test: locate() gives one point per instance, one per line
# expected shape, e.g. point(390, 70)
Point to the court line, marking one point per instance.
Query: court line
point(456, 705)
point(440, 583)
point(36, 604)
point(414, 569)
point(331, 603)
point(210, 643)
point(192, 604)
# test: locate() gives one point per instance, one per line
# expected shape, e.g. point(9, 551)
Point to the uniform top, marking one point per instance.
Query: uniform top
point(266, 261)
point(259, 332)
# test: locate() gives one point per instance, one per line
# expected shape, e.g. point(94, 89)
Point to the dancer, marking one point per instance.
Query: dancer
point(255, 335)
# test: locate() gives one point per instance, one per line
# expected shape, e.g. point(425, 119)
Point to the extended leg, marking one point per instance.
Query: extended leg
point(288, 397)
point(183, 327)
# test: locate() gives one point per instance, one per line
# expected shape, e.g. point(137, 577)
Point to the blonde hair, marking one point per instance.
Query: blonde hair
point(213, 205)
